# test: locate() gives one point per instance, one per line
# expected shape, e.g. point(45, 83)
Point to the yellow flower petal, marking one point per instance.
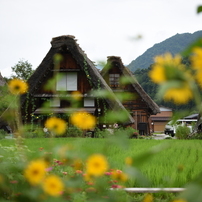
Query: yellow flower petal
point(35, 171)
point(179, 95)
point(53, 185)
point(17, 86)
point(148, 198)
point(157, 74)
point(119, 175)
point(56, 125)
point(96, 165)
point(196, 58)
point(83, 120)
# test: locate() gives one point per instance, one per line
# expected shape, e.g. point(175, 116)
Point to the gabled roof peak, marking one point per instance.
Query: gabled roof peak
point(57, 41)
point(62, 37)
point(111, 58)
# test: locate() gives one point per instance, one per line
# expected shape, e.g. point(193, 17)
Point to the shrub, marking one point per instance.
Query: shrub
point(182, 132)
point(73, 131)
point(130, 132)
point(33, 132)
point(101, 133)
point(3, 133)
point(196, 136)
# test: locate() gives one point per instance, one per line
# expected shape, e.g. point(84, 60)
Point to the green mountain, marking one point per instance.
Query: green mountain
point(174, 45)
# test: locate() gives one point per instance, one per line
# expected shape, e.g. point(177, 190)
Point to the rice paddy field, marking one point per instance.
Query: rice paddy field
point(165, 163)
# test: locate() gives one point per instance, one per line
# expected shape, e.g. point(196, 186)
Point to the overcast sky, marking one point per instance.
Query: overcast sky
point(102, 27)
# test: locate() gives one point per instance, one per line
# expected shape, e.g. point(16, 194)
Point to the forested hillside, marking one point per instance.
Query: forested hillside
point(174, 45)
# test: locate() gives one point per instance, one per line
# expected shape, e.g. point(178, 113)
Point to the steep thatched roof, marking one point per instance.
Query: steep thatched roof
point(154, 109)
point(68, 43)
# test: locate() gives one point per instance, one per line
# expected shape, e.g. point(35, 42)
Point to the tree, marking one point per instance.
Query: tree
point(23, 70)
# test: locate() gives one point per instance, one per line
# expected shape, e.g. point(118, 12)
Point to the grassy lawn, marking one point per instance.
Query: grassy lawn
point(174, 166)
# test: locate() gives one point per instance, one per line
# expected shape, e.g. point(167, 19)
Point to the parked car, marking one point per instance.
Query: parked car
point(171, 126)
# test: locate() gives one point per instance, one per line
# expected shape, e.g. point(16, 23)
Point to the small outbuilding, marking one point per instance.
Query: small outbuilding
point(140, 105)
point(161, 119)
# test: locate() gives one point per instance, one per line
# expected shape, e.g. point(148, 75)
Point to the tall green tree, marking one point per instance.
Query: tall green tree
point(22, 70)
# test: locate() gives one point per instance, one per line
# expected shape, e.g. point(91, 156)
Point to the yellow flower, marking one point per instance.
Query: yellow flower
point(96, 165)
point(148, 198)
point(168, 59)
point(179, 200)
point(87, 177)
point(196, 58)
point(53, 185)
point(17, 86)
point(164, 67)
point(77, 164)
point(198, 77)
point(35, 171)
point(83, 120)
point(129, 161)
point(76, 95)
point(179, 95)
point(119, 175)
point(56, 125)
point(157, 74)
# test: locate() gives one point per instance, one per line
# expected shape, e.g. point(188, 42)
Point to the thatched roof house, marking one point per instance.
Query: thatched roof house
point(82, 76)
point(142, 106)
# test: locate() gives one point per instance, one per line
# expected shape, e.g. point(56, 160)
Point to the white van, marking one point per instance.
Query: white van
point(171, 126)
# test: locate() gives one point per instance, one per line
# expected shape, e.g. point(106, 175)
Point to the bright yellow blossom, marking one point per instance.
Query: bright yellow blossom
point(96, 165)
point(179, 200)
point(17, 86)
point(56, 125)
point(168, 59)
point(196, 60)
point(35, 171)
point(128, 161)
point(53, 185)
point(88, 178)
point(77, 164)
point(76, 95)
point(83, 120)
point(157, 74)
point(148, 198)
point(163, 68)
point(119, 175)
point(179, 95)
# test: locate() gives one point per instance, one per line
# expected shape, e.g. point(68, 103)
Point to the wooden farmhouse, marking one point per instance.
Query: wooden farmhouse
point(69, 70)
point(140, 106)
point(161, 119)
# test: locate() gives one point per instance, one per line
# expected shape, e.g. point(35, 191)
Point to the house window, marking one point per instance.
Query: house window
point(89, 102)
point(67, 81)
point(114, 80)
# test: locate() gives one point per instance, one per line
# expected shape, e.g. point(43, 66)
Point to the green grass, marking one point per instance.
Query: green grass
point(172, 167)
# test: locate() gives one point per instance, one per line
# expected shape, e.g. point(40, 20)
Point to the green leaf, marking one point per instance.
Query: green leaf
point(199, 9)
point(166, 86)
point(124, 96)
point(103, 94)
point(189, 49)
point(127, 80)
point(116, 116)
